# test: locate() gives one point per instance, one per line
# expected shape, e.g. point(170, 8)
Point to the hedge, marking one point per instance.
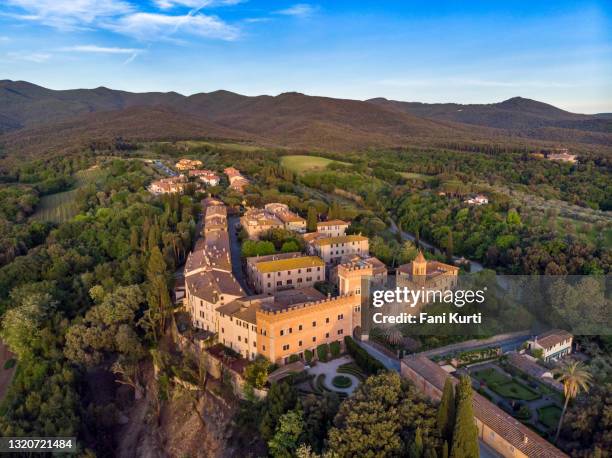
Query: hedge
point(367, 363)
point(294, 358)
point(308, 356)
point(322, 352)
point(334, 348)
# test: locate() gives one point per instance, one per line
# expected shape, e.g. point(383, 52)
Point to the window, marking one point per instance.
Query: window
point(340, 332)
point(299, 271)
point(314, 338)
point(290, 330)
point(254, 344)
point(300, 327)
point(279, 283)
point(269, 284)
point(318, 269)
point(327, 320)
point(299, 343)
point(341, 317)
point(309, 269)
point(308, 278)
point(222, 331)
point(286, 347)
point(282, 332)
point(314, 324)
point(327, 335)
point(278, 274)
point(239, 339)
point(268, 275)
point(263, 347)
point(299, 280)
point(290, 281)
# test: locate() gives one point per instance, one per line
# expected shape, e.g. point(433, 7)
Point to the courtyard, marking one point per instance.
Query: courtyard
point(340, 375)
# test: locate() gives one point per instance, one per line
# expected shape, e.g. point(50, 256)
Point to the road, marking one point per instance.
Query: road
point(475, 266)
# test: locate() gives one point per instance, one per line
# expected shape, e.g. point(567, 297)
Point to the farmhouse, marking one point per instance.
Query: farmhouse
point(169, 185)
point(257, 221)
point(208, 177)
point(334, 249)
point(496, 428)
point(282, 271)
point(333, 228)
point(188, 164)
point(290, 220)
point(552, 345)
point(477, 200)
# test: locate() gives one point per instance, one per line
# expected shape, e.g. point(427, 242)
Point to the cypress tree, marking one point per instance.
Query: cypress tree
point(445, 450)
point(465, 434)
point(311, 220)
point(416, 450)
point(446, 412)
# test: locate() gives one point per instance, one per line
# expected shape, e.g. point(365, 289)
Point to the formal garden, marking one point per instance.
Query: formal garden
point(526, 399)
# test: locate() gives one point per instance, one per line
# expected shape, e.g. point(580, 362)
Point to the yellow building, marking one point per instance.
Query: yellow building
point(268, 274)
point(285, 330)
point(334, 249)
point(290, 220)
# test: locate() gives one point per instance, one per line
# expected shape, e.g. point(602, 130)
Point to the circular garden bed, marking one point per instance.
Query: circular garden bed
point(341, 381)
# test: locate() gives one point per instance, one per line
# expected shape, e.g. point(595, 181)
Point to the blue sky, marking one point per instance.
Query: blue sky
point(558, 52)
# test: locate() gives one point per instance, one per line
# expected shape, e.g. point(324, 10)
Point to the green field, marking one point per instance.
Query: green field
point(490, 376)
point(61, 206)
point(416, 176)
point(515, 390)
point(302, 164)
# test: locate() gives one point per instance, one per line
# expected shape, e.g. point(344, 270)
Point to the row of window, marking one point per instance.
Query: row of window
point(299, 271)
point(286, 347)
point(314, 325)
point(290, 281)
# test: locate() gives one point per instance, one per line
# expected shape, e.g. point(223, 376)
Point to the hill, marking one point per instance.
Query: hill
point(518, 115)
point(34, 118)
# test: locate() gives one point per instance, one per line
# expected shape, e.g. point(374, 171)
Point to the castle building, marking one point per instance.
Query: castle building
point(276, 272)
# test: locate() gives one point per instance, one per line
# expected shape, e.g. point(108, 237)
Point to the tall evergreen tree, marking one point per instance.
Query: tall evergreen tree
point(311, 220)
point(158, 295)
point(446, 412)
point(465, 434)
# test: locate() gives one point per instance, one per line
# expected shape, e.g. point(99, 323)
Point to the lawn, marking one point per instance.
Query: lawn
point(61, 206)
point(549, 416)
point(416, 176)
point(490, 376)
point(514, 390)
point(302, 164)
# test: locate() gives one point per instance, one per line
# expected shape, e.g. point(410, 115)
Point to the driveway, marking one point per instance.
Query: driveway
point(330, 369)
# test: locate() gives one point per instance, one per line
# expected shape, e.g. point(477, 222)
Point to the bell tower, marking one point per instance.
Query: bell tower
point(419, 265)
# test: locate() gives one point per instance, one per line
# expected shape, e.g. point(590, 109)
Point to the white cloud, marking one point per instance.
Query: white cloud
point(198, 4)
point(153, 26)
point(298, 10)
point(100, 49)
point(68, 14)
point(36, 57)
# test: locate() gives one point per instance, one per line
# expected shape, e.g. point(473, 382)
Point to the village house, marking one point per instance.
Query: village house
point(562, 155)
point(552, 345)
point(168, 185)
point(478, 199)
point(333, 228)
point(290, 220)
point(496, 428)
point(334, 249)
point(187, 164)
point(258, 221)
point(207, 177)
point(275, 272)
point(237, 181)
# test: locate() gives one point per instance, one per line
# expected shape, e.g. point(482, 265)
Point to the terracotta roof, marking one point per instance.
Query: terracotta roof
point(333, 222)
point(512, 430)
point(340, 239)
point(273, 257)
point(209, 285)
point(301, 262)
point(553, 337)
point(432, 268)
point(420, 257)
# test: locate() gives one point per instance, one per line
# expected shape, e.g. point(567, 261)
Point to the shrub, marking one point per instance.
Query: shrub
point(341, 381)
point(10, 363)
point(366, 362)
point(322, 352)
point(294, 358)
point(308, 356)
point(334, 348)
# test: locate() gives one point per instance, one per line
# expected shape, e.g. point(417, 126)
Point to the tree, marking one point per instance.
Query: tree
point(158, 295)
point(290, 246)
point(282, 397)
point(416, 449)
point(575, 379)
point(449, 246)
point(256, 373)
point(311, 219)
point(285, 440)
point(465, 433)
point(446, 411)
point(319, 413)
